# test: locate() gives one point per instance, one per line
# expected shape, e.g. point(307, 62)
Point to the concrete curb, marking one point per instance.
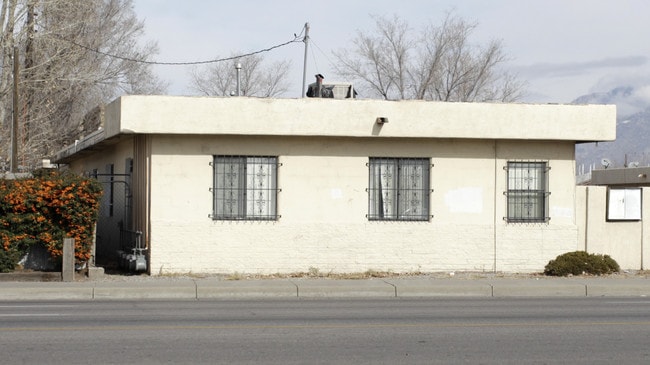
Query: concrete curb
point(441, 288)
point(215, 289)
point(211, 289)
point(45, 291)
point(613, 287)
point(537, 288)
point(314, 288)
point(177, 289)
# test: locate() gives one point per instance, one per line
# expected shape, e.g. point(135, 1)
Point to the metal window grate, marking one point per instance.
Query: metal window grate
point(527, 194)
point(245, 188)
point(398, 189)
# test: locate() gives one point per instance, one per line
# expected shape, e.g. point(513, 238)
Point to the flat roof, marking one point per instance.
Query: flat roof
point(153, 114)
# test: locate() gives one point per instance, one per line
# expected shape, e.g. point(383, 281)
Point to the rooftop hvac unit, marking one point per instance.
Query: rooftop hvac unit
point(330, 90)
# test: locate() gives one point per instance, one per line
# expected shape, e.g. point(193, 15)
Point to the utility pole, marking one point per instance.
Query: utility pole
point(304, 67)
point(14, 125)
point(28, 66)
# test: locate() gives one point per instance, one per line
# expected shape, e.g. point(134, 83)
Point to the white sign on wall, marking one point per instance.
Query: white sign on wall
point(624, 204)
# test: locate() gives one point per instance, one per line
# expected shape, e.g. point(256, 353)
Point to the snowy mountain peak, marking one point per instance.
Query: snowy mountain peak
point(610, 97)
point(632, 129)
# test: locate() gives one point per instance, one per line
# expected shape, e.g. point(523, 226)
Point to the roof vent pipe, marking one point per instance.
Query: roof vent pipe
point(238, 67)
point(319, 85)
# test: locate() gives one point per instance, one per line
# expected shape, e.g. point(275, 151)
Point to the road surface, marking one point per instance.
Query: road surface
point(326, 331)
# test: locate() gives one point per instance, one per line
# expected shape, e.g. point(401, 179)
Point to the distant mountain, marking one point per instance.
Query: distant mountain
point(632, 132)
point(617, 94)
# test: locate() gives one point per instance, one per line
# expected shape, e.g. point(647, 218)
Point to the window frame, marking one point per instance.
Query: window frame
point(525, 191)
point(394, 180)
point(624, 204)
point(264, 184)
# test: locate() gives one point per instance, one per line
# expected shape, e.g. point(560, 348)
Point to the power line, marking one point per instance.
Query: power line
point(313, 57)
point(297, 38)
point(321, 51)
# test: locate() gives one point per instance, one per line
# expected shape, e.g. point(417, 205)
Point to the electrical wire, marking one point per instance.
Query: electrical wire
point(313, 57)
point(297, 38)
point(320, 50)
point(313, 54)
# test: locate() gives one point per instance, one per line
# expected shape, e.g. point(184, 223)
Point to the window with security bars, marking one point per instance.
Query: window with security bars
point(398, 189)
point(245, 188)
point(527, 193)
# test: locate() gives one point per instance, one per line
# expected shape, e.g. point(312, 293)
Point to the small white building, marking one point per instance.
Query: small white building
point(250, 185)
point(610, 215)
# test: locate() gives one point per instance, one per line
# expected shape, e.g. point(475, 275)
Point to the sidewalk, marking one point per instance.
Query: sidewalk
point(286, 288)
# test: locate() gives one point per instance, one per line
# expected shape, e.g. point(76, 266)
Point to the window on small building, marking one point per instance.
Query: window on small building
point(398, 189)
point(245, 188)
point(624, 204)
point(527, 193)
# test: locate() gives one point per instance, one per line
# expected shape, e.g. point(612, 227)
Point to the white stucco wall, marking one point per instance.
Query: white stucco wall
point(628, 242)
point(323, 206)
point(323, 146)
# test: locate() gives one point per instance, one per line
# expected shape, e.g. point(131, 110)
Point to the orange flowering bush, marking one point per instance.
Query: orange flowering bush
point(43, 210)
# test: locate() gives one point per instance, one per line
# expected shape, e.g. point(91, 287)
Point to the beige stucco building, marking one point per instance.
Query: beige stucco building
point(252, 185)
point(610, 215)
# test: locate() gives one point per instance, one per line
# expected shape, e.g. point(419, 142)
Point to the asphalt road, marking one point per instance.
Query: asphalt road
point(324, 331)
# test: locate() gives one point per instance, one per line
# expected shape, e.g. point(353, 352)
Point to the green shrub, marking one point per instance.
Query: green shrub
point(581, 262)
point(8, 260)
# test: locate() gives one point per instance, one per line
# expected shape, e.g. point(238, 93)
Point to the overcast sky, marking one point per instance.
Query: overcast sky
point(562, 48)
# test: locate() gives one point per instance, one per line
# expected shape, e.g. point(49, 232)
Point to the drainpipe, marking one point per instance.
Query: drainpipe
point(586, 237)
point(642, 223)
point(642, 266)
point(494, 211)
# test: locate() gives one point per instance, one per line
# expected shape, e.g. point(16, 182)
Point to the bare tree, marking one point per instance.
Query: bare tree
point(436, 63)
point(74, 55)
point(256, 78)
point(8, 23)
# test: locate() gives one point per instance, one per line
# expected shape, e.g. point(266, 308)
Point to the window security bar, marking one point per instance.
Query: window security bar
point(398, 189)
point(547, 168)
point(211, 164)
point(245, 187)
point(368, 163)
point(527, 192)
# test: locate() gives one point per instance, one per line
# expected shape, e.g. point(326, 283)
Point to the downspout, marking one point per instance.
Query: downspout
point(142, 190)
point(586, 238)
point(147, 216)
point(642, 245)
point(642, 224)
point(494, 212)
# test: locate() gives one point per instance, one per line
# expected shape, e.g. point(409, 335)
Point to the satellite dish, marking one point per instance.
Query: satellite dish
point(605, 162)
point(633, 164)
